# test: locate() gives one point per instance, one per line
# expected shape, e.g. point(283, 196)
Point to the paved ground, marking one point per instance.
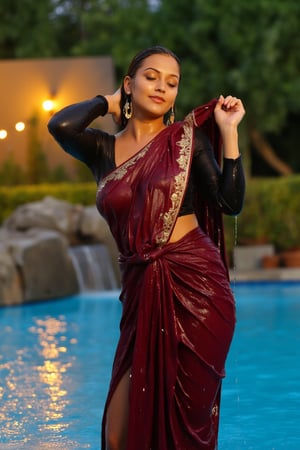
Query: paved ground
point(260, 274)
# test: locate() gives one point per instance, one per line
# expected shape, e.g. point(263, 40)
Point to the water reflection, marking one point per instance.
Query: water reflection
point(51, 372)
point(35, 384)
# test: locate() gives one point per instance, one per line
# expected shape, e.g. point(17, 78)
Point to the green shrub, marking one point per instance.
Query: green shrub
point(11, 173)
point(76, 193)
point(270, 213)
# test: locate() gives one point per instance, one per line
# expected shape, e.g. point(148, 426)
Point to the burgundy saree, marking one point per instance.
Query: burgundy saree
point(178, 311)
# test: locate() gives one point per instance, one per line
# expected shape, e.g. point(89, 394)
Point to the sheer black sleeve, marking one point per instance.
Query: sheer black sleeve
point(224, 187)
point(70, 129)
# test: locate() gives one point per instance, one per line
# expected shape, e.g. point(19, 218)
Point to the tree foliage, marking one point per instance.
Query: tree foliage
point(25, 30)
point(250, 49)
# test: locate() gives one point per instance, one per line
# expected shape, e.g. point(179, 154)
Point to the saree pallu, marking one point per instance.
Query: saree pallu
point(178, 310)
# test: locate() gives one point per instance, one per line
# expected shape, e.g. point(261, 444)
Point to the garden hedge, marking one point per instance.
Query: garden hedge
point(270, 214)
point(12, 197)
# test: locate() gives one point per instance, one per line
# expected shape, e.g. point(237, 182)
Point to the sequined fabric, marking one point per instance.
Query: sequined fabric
point(178, 310)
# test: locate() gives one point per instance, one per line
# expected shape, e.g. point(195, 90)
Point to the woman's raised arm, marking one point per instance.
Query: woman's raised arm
point(69, 127)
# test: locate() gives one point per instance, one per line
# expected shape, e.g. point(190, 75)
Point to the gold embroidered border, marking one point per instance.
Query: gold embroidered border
point(185, 145)
point(121, 171)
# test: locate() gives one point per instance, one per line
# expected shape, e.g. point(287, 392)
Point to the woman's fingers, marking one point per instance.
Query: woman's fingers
point(230, 102)
point(229, 111)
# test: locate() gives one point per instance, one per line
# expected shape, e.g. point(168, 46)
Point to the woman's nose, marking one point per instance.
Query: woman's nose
point(161, 87)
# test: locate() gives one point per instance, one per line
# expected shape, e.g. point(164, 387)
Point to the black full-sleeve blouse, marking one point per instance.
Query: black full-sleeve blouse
point(94, 147)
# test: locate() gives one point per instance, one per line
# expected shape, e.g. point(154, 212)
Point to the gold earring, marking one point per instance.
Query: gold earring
point(127, 109)
point(171, 118)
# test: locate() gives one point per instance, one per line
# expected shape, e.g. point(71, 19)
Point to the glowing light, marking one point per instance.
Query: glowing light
point(20, 126)
point(3, 134)
point(48, 105)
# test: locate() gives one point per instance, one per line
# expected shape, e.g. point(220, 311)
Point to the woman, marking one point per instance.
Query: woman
point(162, 193)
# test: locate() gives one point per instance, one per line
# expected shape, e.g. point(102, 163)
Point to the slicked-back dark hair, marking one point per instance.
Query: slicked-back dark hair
point(136, 64)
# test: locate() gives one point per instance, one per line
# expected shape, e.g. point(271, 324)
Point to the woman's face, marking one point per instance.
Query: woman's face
point(154, 87)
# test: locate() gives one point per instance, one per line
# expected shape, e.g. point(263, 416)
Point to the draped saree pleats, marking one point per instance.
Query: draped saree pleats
point(178, 310)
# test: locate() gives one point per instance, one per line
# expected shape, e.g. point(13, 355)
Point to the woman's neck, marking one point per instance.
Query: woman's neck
point(140, 130)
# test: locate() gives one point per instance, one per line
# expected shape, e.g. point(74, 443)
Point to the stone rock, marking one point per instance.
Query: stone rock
point(92, 225)
point(11, 292)
point(45, 265)
point(36, 262)
point(49, 213)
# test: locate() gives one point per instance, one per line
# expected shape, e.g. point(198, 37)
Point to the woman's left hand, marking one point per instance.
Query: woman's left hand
point(229, 111)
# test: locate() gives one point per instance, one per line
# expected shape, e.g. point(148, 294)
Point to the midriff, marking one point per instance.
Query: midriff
point(183, 225)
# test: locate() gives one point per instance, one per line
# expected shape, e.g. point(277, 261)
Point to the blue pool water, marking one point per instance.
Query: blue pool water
point(55, 360)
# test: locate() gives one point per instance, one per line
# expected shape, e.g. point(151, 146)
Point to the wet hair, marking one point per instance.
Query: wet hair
point(136, 63)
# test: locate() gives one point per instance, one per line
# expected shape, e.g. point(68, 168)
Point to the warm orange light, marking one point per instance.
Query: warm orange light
point(3, 134)
point(20, 126)
point(48, 105)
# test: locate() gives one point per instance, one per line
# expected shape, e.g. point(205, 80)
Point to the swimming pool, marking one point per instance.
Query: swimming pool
point(55, 360)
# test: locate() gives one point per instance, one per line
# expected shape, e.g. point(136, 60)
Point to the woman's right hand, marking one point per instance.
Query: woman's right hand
point(114, 105)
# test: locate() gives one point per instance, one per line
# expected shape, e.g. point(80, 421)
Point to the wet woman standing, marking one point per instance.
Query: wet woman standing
point(163, 187)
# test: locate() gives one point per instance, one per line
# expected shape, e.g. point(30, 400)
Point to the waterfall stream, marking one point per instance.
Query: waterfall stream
point(93, 267)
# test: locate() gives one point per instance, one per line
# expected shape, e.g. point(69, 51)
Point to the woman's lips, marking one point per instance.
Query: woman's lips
point(157, 99)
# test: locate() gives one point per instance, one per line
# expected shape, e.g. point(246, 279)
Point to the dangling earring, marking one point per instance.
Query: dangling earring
point(127, 109)
point(171, 117)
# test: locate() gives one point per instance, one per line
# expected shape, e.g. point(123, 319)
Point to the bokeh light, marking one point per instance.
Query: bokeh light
point(48, 105)
point(20, 126)
point(3, 134)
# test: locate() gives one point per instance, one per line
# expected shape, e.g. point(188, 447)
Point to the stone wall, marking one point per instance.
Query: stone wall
point(35, 262)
